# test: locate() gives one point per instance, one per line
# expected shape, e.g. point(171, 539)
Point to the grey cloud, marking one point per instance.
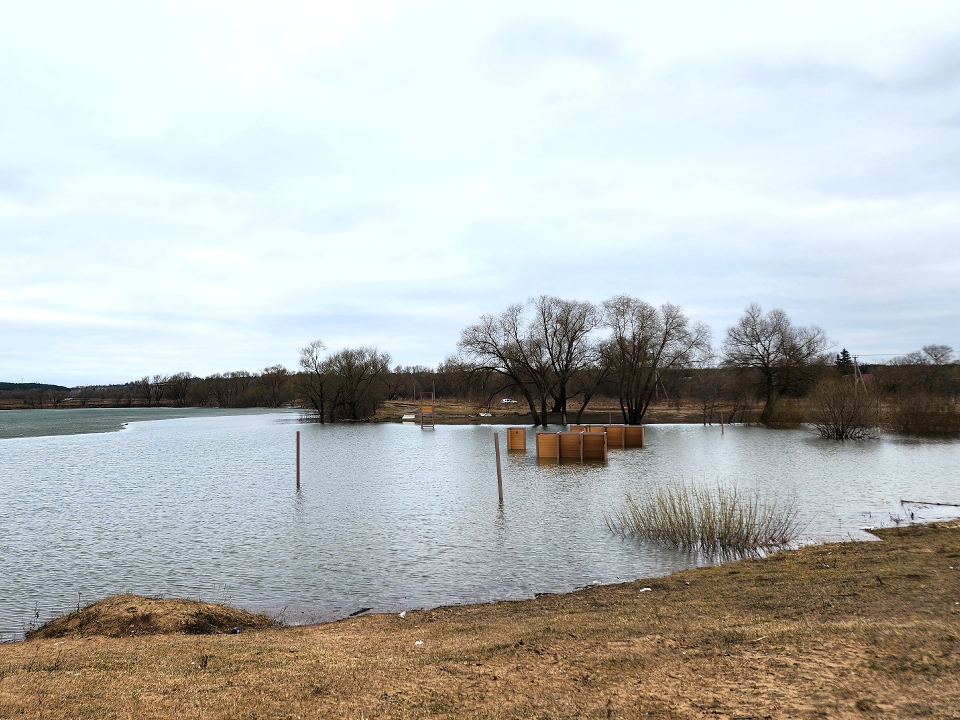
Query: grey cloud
point(336, 219)
point(938, 70)
point(254, 158)
point(536, 40)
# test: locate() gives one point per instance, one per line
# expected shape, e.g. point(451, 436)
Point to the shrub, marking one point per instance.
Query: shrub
point(841, 410)
point(721, 520)
point(924, 415)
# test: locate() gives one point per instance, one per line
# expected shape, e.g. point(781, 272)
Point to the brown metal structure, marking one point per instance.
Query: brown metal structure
point(426, 411)
point(517, 439)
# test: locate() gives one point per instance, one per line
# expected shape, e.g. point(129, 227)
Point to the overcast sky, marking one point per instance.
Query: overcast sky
point(209, 186)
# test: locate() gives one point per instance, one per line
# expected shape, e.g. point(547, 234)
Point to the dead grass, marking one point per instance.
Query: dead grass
point(124, 615)
point(853, 630)
point(458, 411)
point(721, 521)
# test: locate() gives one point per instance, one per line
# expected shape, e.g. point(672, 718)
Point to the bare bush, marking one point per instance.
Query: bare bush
point(721, 520)
point(924, 415)
point(840, 410)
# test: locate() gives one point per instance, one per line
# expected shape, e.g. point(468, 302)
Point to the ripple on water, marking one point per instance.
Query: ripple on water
point(389, 516)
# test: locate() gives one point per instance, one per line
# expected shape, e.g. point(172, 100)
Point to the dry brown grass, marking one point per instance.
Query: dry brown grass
point(123, 615)
point(849, 630)
point(457, 411)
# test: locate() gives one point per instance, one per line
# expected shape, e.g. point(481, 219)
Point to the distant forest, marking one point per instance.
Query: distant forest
point(18, 387)
point(557, 356)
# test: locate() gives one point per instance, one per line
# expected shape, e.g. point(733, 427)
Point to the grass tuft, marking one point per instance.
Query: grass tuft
point(721, 520)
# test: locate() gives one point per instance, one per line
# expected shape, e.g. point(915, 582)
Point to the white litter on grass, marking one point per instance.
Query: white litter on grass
point(646, 589)
point(403, 614)
point(419, 642)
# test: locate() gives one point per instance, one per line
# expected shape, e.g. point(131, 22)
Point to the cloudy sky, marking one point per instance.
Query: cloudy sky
point(209, 186)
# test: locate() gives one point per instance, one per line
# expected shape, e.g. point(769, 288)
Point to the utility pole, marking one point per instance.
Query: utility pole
point(857, 375)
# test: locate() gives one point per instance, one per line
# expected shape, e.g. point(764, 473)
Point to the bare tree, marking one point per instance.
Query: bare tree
point(222, 389)
point(563, 329)
point(201, 392)
point(240, 383)
point(646, 342)
point(158, 387)
point(143, 389)
point(779, 350)
point(939, 354)
point(315, 380)
point(179, 385)
point(500, 344)
point(274, 381)
point(358, 372)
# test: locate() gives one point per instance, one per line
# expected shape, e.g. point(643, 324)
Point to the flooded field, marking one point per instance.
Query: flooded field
point(388, 517)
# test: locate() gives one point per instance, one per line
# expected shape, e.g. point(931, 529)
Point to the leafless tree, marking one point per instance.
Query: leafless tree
point(158, 387)
point(358, 374)
point(645, 343)
point(274, 381)
point(179, 385)
point(315, 380)
point(240, 384)
point(564, 330)
point(143, 389)
point(501, 344)
point(779, 350)
point(201, 392)
point(222, 389)
point(939, 354)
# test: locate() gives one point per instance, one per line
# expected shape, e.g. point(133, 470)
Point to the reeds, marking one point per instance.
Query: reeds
point(713, 520)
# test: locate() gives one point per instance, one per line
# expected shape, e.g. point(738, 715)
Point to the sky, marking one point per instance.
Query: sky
point(210, 186)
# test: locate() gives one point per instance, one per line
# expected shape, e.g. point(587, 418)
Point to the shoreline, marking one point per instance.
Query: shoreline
point(840, 629)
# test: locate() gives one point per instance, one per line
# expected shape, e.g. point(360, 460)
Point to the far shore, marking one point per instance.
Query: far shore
point(845, 630)
point(459, 412)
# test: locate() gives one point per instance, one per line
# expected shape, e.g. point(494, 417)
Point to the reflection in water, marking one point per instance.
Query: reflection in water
point(389, 516)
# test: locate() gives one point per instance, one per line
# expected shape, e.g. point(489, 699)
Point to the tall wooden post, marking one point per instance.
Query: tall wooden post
point(298, 459)
point(496, 449)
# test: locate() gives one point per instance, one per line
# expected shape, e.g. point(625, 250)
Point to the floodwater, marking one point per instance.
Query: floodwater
point(389, 517)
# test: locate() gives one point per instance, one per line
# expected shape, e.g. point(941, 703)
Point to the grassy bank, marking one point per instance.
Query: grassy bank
point(852, 630)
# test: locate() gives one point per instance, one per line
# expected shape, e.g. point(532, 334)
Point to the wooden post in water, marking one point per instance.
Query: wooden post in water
point(496, 449)
point(298, 459)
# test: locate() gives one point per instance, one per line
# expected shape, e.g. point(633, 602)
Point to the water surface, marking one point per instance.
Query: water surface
point(389, 516)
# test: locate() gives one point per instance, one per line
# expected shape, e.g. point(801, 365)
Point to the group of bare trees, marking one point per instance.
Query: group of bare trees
point(271, 387)
point(558, 355)
point(346, 385)
point(553, 351)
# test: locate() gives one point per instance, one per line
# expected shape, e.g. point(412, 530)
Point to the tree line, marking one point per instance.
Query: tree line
point(556, 356)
